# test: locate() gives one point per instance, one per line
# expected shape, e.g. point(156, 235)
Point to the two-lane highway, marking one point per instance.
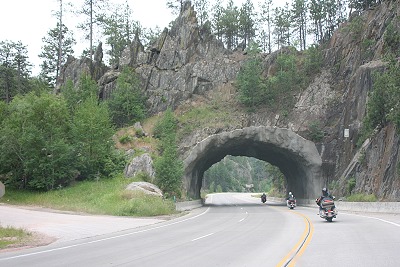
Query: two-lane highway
point(232, 230)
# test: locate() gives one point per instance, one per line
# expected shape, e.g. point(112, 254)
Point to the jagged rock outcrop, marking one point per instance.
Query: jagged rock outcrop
point(74, 68)
point(183, 61)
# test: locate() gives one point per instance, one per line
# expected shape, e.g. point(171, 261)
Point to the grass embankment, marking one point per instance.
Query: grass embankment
point(106, 196)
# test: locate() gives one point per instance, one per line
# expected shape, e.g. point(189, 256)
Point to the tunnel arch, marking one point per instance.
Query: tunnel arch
point(297, 158)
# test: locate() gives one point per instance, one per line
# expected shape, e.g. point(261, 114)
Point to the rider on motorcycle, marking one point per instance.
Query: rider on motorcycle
point(325, 194)
point(290, 198)
point(263, 197)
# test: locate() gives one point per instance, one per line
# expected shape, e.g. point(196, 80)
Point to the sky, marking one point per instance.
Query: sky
point(29, 21)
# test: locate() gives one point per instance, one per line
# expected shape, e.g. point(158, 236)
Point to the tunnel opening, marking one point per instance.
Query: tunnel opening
point(296, 157)
point(245, 175)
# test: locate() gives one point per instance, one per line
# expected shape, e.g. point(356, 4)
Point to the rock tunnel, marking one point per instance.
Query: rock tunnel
point(296, 157)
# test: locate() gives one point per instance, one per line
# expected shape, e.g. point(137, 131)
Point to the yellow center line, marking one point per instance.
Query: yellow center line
point(301, 245)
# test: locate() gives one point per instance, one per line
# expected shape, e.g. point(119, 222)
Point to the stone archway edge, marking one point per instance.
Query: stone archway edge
point(297, 157)
point(306, 148)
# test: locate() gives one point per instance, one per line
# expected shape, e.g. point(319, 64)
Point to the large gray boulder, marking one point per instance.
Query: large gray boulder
point(145, 187)
point(142, 163)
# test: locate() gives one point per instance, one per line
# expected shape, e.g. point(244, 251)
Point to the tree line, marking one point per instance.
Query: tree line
point(298, 23)
point(50, 140)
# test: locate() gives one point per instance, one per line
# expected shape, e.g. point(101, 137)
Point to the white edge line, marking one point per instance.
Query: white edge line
point(375, 218)
point(104, 239)
point(202, 237)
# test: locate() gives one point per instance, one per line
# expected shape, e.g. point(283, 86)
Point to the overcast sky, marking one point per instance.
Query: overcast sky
point(29, 21)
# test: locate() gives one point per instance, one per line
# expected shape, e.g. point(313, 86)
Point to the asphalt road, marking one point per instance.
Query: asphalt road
point(233, 230)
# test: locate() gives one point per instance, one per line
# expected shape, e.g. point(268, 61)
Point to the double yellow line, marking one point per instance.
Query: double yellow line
point(301, 245)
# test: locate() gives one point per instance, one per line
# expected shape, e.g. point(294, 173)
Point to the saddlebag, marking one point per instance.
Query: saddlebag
point(327, 203)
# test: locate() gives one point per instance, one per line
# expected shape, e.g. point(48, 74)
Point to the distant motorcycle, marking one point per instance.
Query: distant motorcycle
point(263, 198)
point(291, 203)
point(327, 209)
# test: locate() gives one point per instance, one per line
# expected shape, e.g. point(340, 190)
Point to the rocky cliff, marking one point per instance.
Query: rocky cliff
point(188, 62)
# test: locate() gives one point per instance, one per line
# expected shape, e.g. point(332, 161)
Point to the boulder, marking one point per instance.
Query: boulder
point(142, 163)
point(147, 188)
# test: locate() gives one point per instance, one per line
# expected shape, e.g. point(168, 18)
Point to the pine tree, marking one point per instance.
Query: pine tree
point(119, 30)
point(266, 17)
point(299, 19)
point(92, 10)
point(52, 59)
point(15, 70)
point(247, 23)
point(230, 25)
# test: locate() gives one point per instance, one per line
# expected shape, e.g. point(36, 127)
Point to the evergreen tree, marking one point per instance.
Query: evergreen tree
point(87, 88)
point(230, 25)
point(266, 17)
point(363, 4)
point(249, 79)
point(282, 24)
point(92, 10)
point(175, 5)
point(299, 18)
point(127, 104)
point(168, 166)
point(92, 134)
point(119, 30)
point(15, 69)
point(52, 59)
point(317, 17)
point(247, 23)
point(217, 23)
point(201, 7)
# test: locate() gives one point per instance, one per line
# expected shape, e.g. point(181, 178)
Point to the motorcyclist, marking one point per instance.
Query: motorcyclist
point(263, 197)
point(325, 194)
point(289, 198)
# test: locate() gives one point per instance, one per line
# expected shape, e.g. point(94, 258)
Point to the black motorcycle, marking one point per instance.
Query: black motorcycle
point(263, 198)
point(327, 208)
point(291, 203)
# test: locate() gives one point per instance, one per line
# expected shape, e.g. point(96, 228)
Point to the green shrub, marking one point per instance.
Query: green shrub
point(392, 39)
point(125, 139)
point(351, 184)
point(315, 132)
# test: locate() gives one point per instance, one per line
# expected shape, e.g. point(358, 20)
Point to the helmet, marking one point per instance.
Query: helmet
point(290, 193)
point(324, 190)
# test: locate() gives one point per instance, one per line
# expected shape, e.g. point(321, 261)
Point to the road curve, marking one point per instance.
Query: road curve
point(232, 230)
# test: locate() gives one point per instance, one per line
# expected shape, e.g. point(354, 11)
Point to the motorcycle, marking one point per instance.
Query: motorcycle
point(291, 203)
point(327, 209)
point(263, 198)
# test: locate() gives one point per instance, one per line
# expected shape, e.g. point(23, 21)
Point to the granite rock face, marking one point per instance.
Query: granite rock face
point(183, 61)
